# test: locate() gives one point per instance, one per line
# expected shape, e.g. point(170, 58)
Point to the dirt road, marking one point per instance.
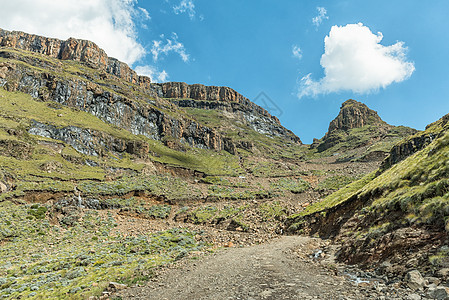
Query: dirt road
point(281, 269)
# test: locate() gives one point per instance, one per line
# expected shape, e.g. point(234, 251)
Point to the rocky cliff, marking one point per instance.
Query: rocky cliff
point(353, 114)
point(110, 90)
point(416, 142)
point(71, 49)
point(358, 126)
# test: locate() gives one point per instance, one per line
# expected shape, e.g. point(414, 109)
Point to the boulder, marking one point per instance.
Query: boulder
point(414, 280)
point(438, 293)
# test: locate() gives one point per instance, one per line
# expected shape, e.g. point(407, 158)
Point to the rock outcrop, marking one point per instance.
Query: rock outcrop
point(182, 90)
point(143, 108)
point(416, 142)
point(352, 115)
point(71, 49)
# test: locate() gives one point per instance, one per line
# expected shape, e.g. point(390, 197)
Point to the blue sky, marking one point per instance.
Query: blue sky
point(249, 46)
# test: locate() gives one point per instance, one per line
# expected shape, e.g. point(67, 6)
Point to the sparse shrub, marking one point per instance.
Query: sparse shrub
point(272, 210)
point(335, 182)
point(203, 214)
point(292, 185)
point(37, 211)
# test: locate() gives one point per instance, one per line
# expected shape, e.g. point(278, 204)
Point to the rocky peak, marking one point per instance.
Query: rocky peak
point(72, 49)
point(353, 114)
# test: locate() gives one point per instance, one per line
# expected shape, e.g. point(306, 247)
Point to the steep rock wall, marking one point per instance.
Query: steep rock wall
point(71, 49)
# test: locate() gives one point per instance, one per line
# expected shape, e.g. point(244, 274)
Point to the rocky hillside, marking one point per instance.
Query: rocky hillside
point(79, 74)
point(106, 177)
point(394, 219)
point(358, 133)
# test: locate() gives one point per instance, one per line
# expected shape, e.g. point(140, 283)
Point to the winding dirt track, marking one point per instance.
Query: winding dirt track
point(268, 271)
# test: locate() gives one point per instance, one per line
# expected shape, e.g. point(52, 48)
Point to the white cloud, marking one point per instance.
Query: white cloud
point(297, 52)
point(153, 73)
point(185, 6)
point(170, 45)
point(322, 15)
point(354, 60)
point(108, 23)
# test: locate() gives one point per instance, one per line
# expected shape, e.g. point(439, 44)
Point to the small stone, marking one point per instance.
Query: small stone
point(266, 293)
point(438, 293)
point(3, 187)
point(414, 280)
point(432, 280)
point(229, 245)
point(414, 297)
point(443, 272)
point(117, 286)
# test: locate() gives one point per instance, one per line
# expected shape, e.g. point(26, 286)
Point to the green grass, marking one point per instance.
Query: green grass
point(337, 197)
point(229, 193)
point(335, 182)
point(413, 192)
point(39, 260)
point(271, 210)
point(203, 214)
point(292, 185)
point(168, 186)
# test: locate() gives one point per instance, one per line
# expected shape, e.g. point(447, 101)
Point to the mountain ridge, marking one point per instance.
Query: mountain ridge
point(115, 176)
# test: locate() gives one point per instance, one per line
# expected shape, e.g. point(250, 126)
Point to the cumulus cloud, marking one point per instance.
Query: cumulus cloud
point(164, 47)
point(297, 52)
point(185, 6)
point(153, 73)
point(109, 23)
point(322, 15)
point(354, 60)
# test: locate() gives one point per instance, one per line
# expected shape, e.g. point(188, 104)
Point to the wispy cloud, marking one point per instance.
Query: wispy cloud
point(109, 23)
point(185, 6)
point(322, 15)
point(161, 47)
point(297, 52)
point(354, 60)
point(153, 73)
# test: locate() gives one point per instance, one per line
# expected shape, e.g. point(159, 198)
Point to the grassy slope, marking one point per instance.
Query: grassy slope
point(417, 188)
point(44, 261)
point(366, 138)
point(17, 110)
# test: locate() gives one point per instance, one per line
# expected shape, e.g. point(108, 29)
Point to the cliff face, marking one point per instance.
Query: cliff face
point(353, 114)
point(71, 49)
point(181, 90)
point(416, 142)
point(113, 92)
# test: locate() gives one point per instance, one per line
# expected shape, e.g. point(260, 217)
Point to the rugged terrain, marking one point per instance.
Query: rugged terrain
point(109, 181)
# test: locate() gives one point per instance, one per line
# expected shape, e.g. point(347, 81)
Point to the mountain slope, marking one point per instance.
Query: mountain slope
point(106, 176)
point(358, 133)
point(396, 215)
